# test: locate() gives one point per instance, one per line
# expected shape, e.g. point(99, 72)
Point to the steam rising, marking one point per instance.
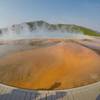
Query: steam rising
point(25, 31)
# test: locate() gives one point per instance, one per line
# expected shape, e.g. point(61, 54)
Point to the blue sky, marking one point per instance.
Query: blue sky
point(80, 12)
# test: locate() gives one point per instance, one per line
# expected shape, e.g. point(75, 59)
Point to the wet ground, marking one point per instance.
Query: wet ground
point(50, 63)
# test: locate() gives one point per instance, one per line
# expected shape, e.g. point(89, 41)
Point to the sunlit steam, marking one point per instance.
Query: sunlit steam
point(23, 31)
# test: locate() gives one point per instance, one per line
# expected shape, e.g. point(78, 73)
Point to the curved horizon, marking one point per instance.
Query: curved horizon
point(84, 13)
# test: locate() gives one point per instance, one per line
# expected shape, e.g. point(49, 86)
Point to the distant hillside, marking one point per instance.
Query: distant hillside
point(44, 26)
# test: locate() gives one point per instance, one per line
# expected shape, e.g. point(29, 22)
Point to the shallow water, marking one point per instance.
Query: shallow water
point(62, 63)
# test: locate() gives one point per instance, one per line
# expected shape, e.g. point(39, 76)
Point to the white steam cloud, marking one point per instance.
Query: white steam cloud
point(23, 32)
